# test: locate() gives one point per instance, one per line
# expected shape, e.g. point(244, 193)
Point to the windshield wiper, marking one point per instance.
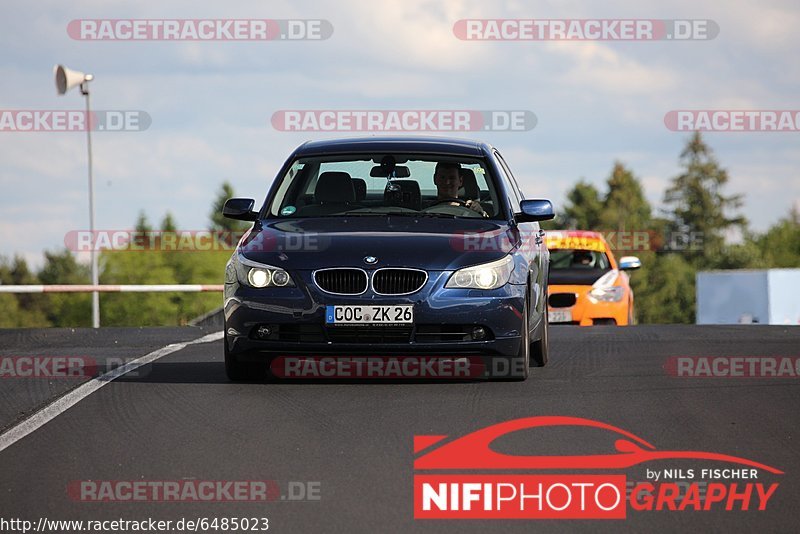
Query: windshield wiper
point(428, 214)
point(386, 214)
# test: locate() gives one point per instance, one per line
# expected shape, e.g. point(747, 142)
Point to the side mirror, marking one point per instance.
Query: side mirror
point(240, 209)
point(629, 263)
point(535, 210)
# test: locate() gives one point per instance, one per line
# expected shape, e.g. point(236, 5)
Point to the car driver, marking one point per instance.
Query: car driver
point(447, 178)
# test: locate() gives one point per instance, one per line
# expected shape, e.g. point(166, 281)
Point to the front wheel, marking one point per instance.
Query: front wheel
point(540, 350)
point(238, 371)
point(518, 365)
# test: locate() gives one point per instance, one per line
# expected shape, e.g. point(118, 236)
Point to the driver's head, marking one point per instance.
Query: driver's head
point(447, 178)
point(582, 258)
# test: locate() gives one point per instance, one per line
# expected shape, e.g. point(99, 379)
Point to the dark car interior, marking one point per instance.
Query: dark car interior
point(318, 194)
point(575, 266)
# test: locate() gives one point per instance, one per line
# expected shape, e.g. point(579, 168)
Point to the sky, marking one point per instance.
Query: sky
point(211, 102)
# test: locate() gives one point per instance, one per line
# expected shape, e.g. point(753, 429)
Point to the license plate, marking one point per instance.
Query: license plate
point(401, 314)
point(560, 316)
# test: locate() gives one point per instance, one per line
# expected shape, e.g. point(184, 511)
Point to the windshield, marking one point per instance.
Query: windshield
point(582, 260)
point(380, 184)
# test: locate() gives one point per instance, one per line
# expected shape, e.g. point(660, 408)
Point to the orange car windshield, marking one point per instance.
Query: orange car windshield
point(561, 259)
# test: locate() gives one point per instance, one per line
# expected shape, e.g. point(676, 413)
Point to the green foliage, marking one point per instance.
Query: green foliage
point(168, 223)
point(20, 310)
point(66, 309)
point(696, 203)
point(156, 265)
point(218, 222)
point(667, 293)
point(584, 207)
point(160, 265)
point(780, 245)
point(625, 207)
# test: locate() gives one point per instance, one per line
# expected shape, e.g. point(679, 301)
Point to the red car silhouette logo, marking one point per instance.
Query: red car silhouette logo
point(473, 451)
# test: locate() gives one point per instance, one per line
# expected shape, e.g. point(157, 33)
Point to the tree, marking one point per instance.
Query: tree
point(670, 295)
point(20, 310)
point(222, 224)
point(780, 245)
point(168, 223)
point(625, 207)
point(160, 265)
point(218, 221)
point(695, 202)
point(66, 309)
point(583, 207)
point(142, 224)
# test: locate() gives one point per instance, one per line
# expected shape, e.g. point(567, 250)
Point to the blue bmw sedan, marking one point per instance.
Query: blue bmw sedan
point(389, 247)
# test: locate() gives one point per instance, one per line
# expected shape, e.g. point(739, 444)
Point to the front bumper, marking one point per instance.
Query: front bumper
point(499, 311)
point(587, 313)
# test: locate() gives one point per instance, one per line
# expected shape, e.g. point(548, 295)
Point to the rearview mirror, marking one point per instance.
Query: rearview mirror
point(240, 209)
point(398, 171)
point(535, 210)
point(629, 263)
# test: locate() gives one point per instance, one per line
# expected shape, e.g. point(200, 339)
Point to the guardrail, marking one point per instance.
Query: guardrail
point(110, 288)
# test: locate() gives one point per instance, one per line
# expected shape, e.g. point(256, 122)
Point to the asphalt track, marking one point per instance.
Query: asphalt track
point(179, 418)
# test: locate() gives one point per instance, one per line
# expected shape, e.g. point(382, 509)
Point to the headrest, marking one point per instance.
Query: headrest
point(470, 184)
point(335, 187)
point(360, 187)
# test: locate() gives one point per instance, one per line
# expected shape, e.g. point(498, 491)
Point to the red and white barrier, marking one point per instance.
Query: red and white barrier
point(108, 288)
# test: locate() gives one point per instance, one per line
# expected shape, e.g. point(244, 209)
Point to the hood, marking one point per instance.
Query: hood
point(575, 277)
point(430, 243)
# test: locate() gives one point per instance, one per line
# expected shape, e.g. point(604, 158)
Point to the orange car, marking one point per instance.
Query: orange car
point(586, 285)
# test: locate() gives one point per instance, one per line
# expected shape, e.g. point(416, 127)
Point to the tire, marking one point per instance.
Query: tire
point(239, 371)
point(540, 350)
point(519, 364)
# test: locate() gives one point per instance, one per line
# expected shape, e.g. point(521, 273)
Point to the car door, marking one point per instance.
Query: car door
point(531, 239)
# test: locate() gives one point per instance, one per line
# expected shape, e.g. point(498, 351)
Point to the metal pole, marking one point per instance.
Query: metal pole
point(95, 281)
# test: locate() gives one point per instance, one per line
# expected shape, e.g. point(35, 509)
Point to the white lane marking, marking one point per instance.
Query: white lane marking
point(60, 405)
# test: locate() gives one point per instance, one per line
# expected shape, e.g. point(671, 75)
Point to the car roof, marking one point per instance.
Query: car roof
point(576, 233)
point(430, 145)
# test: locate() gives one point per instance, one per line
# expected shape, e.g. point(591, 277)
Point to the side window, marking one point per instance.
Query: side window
point(510, 186)
point(293, 173)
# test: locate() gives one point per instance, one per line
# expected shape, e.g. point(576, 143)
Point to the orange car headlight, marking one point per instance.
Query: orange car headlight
point(604, 290)
point(607, 294)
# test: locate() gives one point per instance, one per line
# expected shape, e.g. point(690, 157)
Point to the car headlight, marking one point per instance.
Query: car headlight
point(259, 275)
point(486, 276)
point(604, 290)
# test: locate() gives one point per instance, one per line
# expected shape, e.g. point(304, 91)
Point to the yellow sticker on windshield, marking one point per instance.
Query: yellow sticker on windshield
point(575, 243)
